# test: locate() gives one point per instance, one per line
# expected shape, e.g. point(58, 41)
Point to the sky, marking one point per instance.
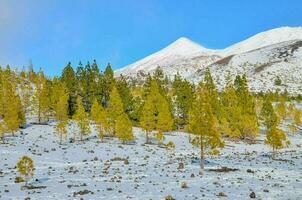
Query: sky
point(50, 33)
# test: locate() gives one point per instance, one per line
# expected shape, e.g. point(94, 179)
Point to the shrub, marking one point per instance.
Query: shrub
point(278, 81)
point(26, 168)
point(170, 145)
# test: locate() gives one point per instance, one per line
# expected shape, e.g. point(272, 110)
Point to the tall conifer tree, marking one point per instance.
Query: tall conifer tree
point(203, 124)
point(81, 118)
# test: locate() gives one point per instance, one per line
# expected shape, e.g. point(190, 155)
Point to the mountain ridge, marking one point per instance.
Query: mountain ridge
point(189, 59)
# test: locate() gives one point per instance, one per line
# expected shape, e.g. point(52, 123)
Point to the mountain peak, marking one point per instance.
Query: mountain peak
point(185, 46)
point(183, 40)
point(265, 38)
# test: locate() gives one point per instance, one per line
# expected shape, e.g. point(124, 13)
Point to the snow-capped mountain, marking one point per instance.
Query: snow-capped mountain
point(263, 57)
point(263, 39)
point(183, 56)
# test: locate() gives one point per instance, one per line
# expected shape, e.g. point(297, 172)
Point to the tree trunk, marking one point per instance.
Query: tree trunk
point(274, 154)
point(201, 156)
point(61, 139)
point(81, 136)
point(147, 137)
point(39, 115)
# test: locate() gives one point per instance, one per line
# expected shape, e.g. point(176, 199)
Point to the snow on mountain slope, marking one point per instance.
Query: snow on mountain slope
point(263, 39)
point(183, 56)
point(262, 66)
point(262, 57)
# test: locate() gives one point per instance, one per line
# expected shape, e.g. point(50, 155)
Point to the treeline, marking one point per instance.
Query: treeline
point(114, 105)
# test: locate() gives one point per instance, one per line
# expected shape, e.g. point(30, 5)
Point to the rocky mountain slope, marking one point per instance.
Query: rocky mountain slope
point(263, 58)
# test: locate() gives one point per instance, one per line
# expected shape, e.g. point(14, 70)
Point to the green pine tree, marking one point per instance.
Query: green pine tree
point(81, 118)
point(114, 109)
point(203, 124)
point(69, 78)
point(123, 128)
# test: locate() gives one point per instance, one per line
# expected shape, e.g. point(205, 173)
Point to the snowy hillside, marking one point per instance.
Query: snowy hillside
point(262, 67)
point(263, 39)
point(111, 170)
point(262, 58)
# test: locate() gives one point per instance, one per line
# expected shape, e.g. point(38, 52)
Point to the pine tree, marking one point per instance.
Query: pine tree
point(276, 138)
point(12, 110)
point(203, 124)
point(210, 85)
point(60, 105)
point(249, 121)
point(183, 92)
point(108, 84)
point(148, 118)
point(156, 115)
point(81, 118)
point(281, 108)
point(270, 119)
point(68, 77)
point(95, 85)
point(164, 117)
point(123, 128)
point(26, 168)
point(61, 130)
point(114, 109)
point(41, 101)
point(231, 116)
point(125, 94)
point(59, 98)
point(98, 114)
point(25, 92)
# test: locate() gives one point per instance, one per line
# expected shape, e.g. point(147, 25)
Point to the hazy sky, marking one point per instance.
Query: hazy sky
point(53, 32)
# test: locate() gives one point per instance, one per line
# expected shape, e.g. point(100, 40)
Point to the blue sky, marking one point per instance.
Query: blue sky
point(52, 32)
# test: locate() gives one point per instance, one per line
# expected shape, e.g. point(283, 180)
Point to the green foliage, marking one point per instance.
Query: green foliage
point(59, 99)
point(126, 95)
point(26, 168)
point(156, 115)
point(81, 118)
point(203, 123)
point(276, 138)
point(213, 93)
point(123, 128)
point(114, 109)
point(278, 81)
point(270, 119)
point(69, 78)
point(170, 145)
point(160, 137)
point(11, 109)
point(107, 84)
point(61, 130)
point(184, 94)
point(239, 109)
point(41, 98)
point(98, 114)
point(281, 108)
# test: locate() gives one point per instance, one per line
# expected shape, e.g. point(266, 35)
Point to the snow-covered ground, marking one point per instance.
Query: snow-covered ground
point(152, 171)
